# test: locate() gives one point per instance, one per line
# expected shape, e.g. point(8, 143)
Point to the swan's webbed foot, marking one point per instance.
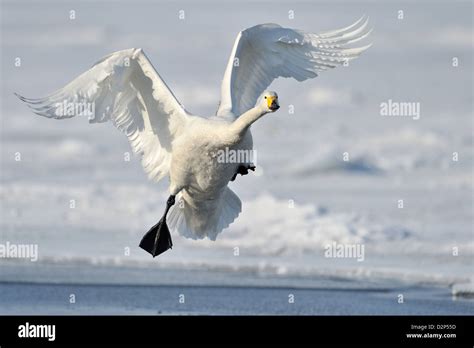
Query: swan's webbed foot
point(243, 170)
point(158, 239)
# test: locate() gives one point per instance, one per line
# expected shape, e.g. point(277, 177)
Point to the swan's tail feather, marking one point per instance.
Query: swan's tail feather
point(230, 207)
point(200, 219)
point(176, 218)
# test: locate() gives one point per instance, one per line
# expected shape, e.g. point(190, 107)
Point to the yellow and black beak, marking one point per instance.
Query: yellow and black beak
point(272, 103)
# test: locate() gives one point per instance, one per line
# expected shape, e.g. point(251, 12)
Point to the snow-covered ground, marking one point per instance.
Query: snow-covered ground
point(304, 196)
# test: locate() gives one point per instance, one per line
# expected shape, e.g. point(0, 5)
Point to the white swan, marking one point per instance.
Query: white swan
point(125, 89)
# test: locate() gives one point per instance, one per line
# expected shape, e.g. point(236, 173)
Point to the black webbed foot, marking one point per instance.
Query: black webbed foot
point(158, 239)
point(243, 170)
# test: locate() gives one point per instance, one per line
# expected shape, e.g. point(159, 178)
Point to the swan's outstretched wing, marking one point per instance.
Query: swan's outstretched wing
point(125, 89)
point(268, 51)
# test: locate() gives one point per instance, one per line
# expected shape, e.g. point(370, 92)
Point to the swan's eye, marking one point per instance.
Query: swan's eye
point(265, 97)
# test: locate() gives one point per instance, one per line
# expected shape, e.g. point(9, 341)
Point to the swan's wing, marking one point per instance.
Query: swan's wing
point(268, 51)
point(125, 89)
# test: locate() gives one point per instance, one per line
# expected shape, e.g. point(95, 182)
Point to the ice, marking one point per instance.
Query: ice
point(464, 289)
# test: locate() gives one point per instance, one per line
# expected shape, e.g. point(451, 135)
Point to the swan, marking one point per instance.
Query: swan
point(125, 89)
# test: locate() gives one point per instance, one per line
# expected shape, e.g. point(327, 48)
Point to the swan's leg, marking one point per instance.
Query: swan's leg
point(243, 170)
point(158, 239)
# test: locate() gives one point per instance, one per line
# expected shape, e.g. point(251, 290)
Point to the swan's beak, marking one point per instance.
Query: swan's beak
point(272, 103)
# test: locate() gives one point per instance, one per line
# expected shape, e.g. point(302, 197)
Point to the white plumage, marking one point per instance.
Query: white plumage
point(126, 90)
point(268, 51)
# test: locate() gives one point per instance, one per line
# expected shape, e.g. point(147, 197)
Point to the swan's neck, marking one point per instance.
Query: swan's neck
point(244, 121)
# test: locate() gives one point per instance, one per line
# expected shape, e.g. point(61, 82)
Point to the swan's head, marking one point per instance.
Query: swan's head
point(268, 101)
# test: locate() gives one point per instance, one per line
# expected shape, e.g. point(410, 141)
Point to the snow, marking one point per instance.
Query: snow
point(305, 196)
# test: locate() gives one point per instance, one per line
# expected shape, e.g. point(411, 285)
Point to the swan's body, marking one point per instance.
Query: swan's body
point(203, 179)
point(126, 90)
